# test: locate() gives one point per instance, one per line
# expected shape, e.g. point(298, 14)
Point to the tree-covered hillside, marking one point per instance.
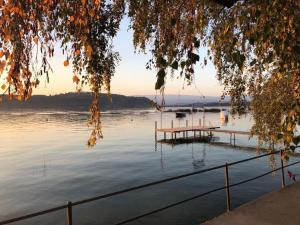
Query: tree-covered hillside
point(76, 102)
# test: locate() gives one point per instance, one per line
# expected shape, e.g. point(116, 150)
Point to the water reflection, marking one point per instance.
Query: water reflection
point(44, 162)
point(198, 162)
point(161, 157)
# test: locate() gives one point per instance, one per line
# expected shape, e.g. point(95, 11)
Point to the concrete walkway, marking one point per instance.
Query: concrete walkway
point(276, 208)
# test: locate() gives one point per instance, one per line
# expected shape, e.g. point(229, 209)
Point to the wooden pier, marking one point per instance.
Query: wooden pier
point(198, 131)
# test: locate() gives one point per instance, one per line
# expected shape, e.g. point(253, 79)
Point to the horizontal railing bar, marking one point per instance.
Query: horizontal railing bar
point(252, 158)
point(28, 216)
point(201, 195)
point(169, 206)
point(167, 180)
point(146, 185)
point(254, 178)
point(291, 164)
point(262, 175)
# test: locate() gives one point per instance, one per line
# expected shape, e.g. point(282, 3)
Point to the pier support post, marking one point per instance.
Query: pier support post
point(234, 140)
point(282, 170)
point(155, 130)
point(200, 126)
point(164, 135)
point(227, 188)
point(186, 125)
point(69, 214)
point(172, 127)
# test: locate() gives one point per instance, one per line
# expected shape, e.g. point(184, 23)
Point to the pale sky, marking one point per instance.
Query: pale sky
point(132, 77)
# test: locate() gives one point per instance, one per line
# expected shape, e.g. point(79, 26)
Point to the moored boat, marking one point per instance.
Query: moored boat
point(180, 115)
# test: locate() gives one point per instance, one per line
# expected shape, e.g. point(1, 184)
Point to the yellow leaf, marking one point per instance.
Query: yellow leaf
point(89, 50)
point(3, 86)
point(92, 141)
point(290, 127)
point(66, 63)
point(226, 29)
point(36, 40)
point(92, 13)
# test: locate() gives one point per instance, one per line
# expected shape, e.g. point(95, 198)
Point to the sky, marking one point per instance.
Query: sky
point(132, 77)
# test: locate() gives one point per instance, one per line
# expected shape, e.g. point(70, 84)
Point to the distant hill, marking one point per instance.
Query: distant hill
point(76, 102)
point(183, 100)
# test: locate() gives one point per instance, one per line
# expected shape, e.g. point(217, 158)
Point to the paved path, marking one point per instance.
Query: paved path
point(276, 208)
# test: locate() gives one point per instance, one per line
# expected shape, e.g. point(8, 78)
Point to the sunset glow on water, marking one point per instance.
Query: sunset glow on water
point(44, 162)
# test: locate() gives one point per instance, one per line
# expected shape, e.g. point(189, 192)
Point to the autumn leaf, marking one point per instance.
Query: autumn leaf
point(92, 13)
point(66, 63)
point(1, 53)
point(72, 19)
point(7, 37)
point(36, 40)
point(92, 141)
point(3, 86)
point(88, 50)
point(77, 52)
point(75, 79)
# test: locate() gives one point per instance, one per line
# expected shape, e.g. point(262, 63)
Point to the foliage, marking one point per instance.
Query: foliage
point(254, 45)
point(30, 30)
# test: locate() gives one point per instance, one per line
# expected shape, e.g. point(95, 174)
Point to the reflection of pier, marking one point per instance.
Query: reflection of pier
point(200, 133)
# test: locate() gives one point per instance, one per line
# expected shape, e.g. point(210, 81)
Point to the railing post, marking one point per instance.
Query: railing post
point(282, 170)
point(69, 214)
point(227, 188)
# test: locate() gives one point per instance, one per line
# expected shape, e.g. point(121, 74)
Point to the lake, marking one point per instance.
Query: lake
point(44, 162)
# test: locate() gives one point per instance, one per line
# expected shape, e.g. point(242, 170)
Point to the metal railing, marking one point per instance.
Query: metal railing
point(227, 187)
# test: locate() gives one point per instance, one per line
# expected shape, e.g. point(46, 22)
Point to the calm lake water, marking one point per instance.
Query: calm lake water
point(44, 162)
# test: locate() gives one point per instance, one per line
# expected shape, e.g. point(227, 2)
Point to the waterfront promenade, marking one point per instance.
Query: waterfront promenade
point(276, 208)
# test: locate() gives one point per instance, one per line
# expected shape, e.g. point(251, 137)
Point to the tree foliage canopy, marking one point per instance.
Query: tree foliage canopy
point(254, 45)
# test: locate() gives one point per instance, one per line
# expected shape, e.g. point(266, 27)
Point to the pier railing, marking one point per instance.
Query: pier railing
point(69, 206)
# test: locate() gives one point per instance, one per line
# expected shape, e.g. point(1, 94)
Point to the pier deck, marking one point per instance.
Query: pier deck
point(200, 133)
point(184, 129)
point(201, 128)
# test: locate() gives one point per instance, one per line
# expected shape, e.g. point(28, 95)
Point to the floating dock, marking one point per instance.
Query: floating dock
point(199, 133)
